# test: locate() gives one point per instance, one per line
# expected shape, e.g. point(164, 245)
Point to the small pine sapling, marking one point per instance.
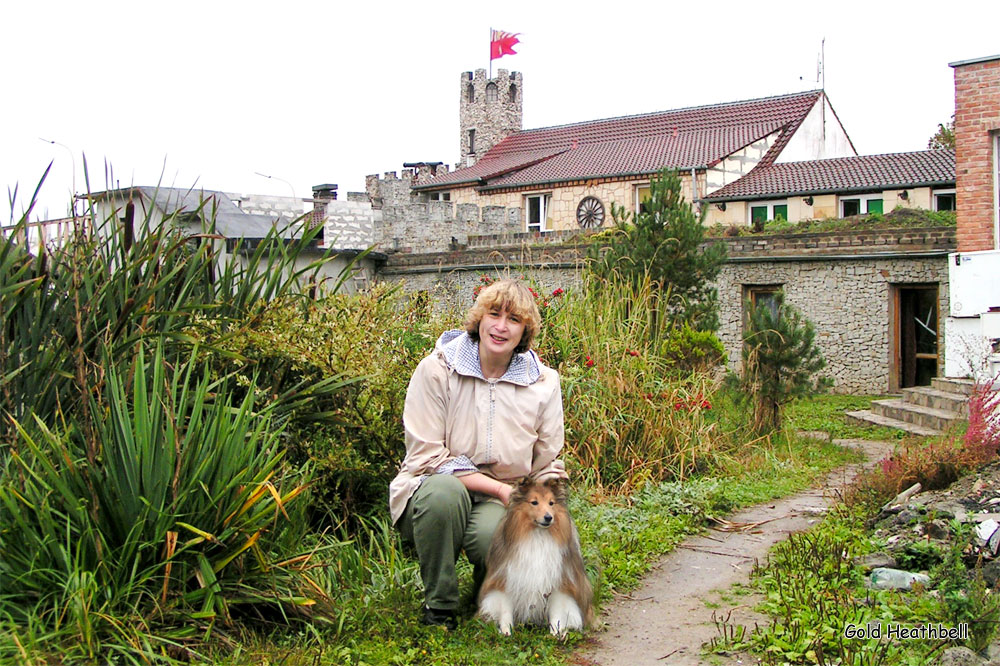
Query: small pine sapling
point(780, 361)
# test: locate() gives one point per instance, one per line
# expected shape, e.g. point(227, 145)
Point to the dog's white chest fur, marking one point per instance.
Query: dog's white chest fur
point(532, 574)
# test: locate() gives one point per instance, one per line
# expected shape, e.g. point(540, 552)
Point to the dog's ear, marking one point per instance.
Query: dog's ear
point(559, 488)
point(525, 483)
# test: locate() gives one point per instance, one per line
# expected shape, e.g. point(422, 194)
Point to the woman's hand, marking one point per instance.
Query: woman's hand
point(504, 492)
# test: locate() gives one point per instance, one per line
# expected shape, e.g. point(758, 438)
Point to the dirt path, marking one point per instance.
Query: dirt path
point(666, 620)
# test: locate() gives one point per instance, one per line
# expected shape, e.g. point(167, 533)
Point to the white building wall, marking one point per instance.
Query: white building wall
point(738, 164)
point(820, 136)
point(972, 332)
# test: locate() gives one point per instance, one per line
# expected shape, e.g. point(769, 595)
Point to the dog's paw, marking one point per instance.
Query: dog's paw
point(505, 628)
point(557, 630)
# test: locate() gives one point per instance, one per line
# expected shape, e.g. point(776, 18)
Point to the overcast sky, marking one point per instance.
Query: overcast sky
point(206, 93)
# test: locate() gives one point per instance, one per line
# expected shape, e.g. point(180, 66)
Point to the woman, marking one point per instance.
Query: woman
point(481, 411)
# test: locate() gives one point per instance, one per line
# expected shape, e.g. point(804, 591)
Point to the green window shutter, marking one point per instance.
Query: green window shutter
point(875, 206)
point(781, 212)
point(758, 214)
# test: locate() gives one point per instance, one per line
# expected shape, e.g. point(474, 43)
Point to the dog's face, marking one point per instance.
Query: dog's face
point(541, 502)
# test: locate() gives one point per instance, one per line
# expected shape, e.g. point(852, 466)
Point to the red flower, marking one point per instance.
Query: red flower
point(558, 292)
point(649, 396)
point(705, 404)
point(678, 406)
point(545, 304)
point(589, 363)
point(632, 352)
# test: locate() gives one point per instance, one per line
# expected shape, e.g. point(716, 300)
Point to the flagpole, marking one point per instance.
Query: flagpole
point(491, 52)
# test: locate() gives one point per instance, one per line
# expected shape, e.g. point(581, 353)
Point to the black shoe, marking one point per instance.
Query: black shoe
point(434, 617)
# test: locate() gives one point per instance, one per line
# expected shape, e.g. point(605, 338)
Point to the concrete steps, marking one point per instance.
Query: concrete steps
point(921, 410)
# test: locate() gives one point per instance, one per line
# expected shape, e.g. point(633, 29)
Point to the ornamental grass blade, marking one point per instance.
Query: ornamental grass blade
point(219, 566)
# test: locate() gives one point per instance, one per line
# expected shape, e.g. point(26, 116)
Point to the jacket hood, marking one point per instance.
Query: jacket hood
point(461, 353)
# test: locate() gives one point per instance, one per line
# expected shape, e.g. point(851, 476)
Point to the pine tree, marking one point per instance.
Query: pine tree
point(666, 241)
point(780, 361)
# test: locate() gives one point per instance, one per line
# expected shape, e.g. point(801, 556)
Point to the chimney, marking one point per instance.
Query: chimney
point(322, 195)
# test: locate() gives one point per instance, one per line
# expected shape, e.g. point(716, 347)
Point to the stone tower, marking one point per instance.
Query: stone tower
point(490, 109)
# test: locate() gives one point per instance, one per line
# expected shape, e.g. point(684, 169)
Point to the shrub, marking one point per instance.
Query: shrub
point(142, 498)
point(664, 246)
point(352, 439)
point(982, 437)
point(780, 361)
point(635, 408)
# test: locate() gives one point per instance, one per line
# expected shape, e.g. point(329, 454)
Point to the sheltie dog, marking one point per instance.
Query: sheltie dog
point(534, 570)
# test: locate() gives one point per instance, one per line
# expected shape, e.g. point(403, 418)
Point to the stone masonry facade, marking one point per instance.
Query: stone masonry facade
point(488, 108)
point(847, 300)
point(842, 282)
point(977, 126)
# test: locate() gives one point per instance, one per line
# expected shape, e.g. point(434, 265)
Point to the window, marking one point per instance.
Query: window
point(536, 207)
point(472, 142)
point(470, 93)
point(996, 189)
point(763, 295)
point(641, 197)
point(512, 93)
point(863, 203)
point(439, 196)
point(764, 211)
point(944, 199)
point(491, 92)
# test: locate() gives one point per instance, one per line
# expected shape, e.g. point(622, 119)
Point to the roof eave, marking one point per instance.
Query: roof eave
point(559, 181)
point(829, 190)
point(429, 187)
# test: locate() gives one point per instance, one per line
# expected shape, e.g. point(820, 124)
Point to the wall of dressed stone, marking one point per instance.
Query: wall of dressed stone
point(841, 281)
point(848, 300)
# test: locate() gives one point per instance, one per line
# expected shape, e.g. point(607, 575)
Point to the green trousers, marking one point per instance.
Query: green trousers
point(440, 521)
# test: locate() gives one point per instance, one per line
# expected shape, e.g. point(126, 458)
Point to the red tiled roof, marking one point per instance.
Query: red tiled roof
point(843, 174)
point(684, 138)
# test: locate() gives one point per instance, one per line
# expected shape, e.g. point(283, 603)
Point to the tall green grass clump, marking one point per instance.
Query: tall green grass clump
point(143, 497)
point(637, 393)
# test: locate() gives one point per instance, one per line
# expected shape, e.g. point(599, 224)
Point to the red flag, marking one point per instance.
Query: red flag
point(502, 43)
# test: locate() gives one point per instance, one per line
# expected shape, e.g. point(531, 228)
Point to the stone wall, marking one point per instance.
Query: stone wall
point(350, 225)
point(847, 300)
point(491, 119)
point(564, 198)
point(841, 281)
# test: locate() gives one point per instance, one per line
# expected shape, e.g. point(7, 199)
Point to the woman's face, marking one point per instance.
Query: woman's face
point(500, 332)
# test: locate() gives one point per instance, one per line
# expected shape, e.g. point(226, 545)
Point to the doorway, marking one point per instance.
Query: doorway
point(915, 328)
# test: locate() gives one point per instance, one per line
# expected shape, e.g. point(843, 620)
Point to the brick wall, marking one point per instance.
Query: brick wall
point(977, 120)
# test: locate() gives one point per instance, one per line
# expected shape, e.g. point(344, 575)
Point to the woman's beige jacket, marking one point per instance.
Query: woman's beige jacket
point(456, 422)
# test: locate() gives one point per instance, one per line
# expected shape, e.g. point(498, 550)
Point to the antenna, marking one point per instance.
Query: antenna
point(820, 68)
point(821, 80)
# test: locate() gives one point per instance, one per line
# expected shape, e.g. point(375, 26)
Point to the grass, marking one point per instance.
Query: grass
point(622, 536)
point(901, 218)
point(812, 592)
point(825, 413)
